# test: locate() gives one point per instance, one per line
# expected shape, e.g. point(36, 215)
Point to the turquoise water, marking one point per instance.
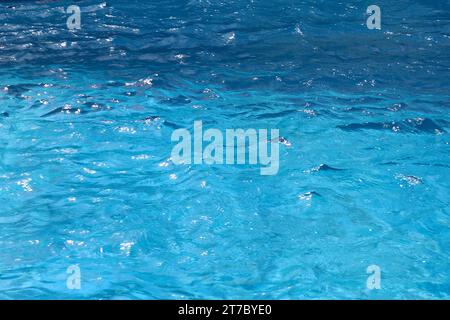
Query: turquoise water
point(86, 178)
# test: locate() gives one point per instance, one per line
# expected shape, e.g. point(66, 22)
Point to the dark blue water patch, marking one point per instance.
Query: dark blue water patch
point(378, 108)
point(417, 125)
point(331, 47)
point(157, 119)
point(86, 107)
point(57, 111)
point(276, 115)
point(324, 168)
point(390, 163)
point(364, 126)
point(176, 101)
point(17, 90)
point(313, 193)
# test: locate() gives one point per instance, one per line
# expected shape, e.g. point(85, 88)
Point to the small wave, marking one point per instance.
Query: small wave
point(323, 167)
point(417, 125)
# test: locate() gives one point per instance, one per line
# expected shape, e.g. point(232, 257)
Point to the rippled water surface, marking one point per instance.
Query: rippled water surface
point(86, 177)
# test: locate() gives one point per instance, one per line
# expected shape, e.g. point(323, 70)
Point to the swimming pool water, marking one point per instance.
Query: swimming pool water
point(86, 178)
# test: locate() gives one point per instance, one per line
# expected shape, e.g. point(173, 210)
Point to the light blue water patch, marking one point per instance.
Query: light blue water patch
point(86, 178)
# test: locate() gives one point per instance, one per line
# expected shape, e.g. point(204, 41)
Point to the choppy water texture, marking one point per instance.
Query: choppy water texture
point(85, 123)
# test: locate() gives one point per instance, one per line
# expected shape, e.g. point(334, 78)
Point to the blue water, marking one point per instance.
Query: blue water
point(86, 178)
